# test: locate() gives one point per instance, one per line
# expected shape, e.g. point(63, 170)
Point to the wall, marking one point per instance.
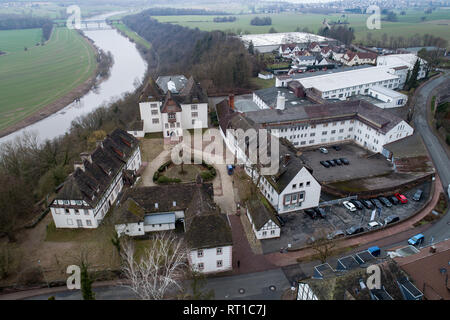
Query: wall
point(210, 258)
point(145, 109)
point(130, 229)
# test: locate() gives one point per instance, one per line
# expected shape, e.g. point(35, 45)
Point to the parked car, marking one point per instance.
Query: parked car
point(325, 164)
point(418, 239)
point(394, 200)
point(354, 230)
point(385, 201)
point(373, 225)
point(367, 204)
point(418, 195)
point(376, 203)
point(333, 164)
point(344, 161)
point(338, 162)
point(320, 212)
point(323, 150)
point(357, 204)
point(335, 234)
point(311, 213)
point(391, 219)
point(375, 251)
point(350, 206)
point(401, 198)
point(280, 220)
point(337, 148)
point(230, 168)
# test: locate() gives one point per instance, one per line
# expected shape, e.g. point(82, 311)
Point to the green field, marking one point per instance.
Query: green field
point(132, 35)
point(406, 26)
point(32, 79)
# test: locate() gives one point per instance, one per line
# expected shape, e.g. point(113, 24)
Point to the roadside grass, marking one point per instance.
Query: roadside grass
point(440, 208)
point(335, 252)
point(32, 79)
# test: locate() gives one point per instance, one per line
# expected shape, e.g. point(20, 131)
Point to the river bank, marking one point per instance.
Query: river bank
point(62, 102)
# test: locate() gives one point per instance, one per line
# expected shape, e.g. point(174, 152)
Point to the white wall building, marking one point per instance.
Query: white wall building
point(97, 180)
point(390, 98)
point(190, 205)
point(180, 108)
point(398, 60)
point(263, 221)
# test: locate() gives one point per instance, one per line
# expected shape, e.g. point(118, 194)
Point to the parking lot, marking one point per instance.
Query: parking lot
point(299, 227)
point(357, 169)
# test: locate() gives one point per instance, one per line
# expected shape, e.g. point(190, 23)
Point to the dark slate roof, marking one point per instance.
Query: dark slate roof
point(209, 231)
point(205, 226)
point(151, 92)
point(379, 119)
point(260, 214)
point(107, 160)
point(192, 93)
point(128, 212)
point(269, 96)
point(179, 81)
point(170, 104)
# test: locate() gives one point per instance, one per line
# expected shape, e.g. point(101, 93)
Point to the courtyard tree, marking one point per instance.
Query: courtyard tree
point(322, 245)
point(159, 270)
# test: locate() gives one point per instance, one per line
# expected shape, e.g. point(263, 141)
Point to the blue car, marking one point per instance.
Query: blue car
point(418, 239)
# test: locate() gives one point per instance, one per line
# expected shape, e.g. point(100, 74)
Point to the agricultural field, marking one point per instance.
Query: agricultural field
point(410, 24)
point(33, 78)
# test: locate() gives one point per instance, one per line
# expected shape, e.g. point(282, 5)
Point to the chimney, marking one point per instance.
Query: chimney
point(78, 164)
point(86, 156)
point(231, 98)
point(99, 143)
point(281, 101)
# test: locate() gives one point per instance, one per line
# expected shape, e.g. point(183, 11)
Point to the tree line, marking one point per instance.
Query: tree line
point(395, 42)
point(15, 21)
point(215, 55)
point(224, 19)
point(183, 12)
point(264, 21)
point(342, 33)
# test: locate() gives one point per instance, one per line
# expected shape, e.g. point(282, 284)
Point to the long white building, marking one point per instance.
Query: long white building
point(93, 187)
point(399, 60)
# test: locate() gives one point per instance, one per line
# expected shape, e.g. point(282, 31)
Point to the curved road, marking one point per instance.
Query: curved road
point(441, 229)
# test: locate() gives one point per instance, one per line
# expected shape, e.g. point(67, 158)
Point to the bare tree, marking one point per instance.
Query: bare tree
point(322, 245)
point(160, 268)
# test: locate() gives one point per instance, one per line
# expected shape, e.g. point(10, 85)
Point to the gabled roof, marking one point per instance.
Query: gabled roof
point(205, 226)
point(107, 160)
point(260, 214)
point(192, 93)
point(151, 92)
point(170, 104)
point(173, 83)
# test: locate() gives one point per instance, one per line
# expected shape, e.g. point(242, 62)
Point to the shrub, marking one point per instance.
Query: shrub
point(164, 179)
point(156, 176)
point(206, 175)
point(164, 166)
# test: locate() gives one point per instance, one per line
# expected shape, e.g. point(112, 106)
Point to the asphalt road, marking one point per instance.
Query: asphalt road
point(440, 230)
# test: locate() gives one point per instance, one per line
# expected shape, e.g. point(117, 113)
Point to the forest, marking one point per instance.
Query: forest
point(15, 21)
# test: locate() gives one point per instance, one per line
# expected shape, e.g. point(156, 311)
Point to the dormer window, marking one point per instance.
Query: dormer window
point(156, 205)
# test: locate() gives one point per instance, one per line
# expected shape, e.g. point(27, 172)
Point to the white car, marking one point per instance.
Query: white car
point(323, 150)
point(373, 225)
point(350, 206)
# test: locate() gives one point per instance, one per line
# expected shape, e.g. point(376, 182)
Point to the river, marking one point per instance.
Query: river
point(128, 68)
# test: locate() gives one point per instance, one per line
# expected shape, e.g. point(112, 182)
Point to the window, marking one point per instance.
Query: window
point(200, 253)
point(324, 133)
point(219, 251)
point(88, 222)
point(312, 134)
point(294, 186)
point(67, 211)
point(154, 112)
point(79, 222)
point(77, 211)
point(171, 115)
point(333, 131)
point(272, 232)
point(153, 105)
point(194, 107)
point(325, 125)
point(166, 125)
point(194, 114)
point(264, 233)
point(341, 130)
point(156, 121)
point(219, 263)
point(201, 266)
point(308, 183)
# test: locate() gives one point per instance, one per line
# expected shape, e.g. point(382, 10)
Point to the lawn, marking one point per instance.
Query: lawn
point(262, 83)
point(32, 79)
point(132, 35)
point(406, 26)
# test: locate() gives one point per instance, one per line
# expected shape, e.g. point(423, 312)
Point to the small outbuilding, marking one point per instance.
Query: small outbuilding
point(264, 223)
